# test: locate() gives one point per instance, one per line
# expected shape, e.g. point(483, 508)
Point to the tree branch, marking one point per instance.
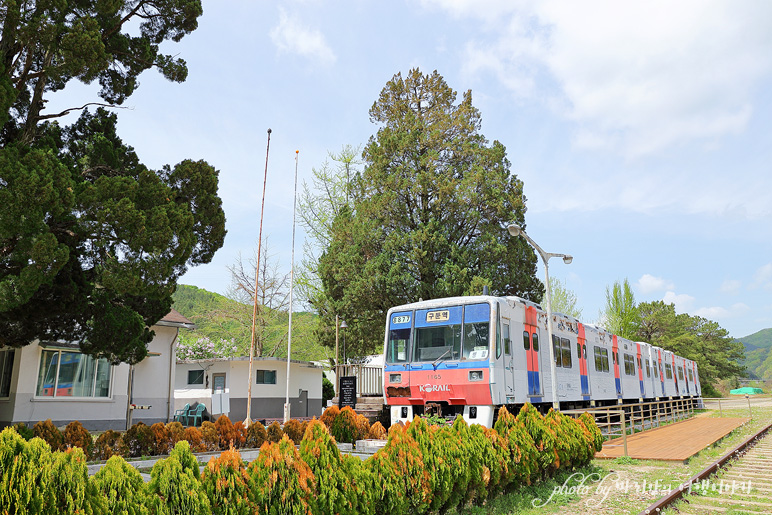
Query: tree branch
point(67, 111)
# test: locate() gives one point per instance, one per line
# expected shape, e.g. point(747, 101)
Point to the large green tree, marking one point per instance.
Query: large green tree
point(427, 214)
point(91, 240)
point(620, 314)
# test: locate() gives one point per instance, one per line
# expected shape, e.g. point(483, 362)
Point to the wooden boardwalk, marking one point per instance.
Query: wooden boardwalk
point(674, 442)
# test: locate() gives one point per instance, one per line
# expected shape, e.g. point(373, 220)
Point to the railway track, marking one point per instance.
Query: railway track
point(740, 482)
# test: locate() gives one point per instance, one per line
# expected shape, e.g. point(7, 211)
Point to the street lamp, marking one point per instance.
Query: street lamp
point(516, 230)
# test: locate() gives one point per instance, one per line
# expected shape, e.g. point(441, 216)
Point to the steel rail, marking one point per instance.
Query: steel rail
point(684, 487)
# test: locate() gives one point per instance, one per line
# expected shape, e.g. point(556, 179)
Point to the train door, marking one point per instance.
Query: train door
point(531, 345)
point(581, 352)
point(640, 369)
point(661, 371)
point(675, 376)
point(617, 378)
point(509, 361)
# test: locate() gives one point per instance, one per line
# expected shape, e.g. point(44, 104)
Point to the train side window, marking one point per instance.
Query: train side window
point(598, 359)
point(536, 342)
point(526, 340)
point(648, 369)
point(691, 377)
point(507, 349)
point(655, 370)
point(668, 371)
point(584, 350)
point(629, 364)
point(556, 351)
point(565, 345)
point(579, 350)
point(680, 373)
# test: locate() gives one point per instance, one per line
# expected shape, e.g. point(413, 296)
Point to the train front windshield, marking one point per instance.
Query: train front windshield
point(455, 333)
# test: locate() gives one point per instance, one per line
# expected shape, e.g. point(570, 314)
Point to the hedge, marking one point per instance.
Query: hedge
point(421, 469)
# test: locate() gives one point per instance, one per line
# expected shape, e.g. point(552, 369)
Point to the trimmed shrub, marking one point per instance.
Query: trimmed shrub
point(570, 444)
point(342, 486)
point(523, 460)
point(274, 432)
point(229, 435)
point(176, 433)
point(75, 435)
point(442, 453)
point(47, 431)
point(256, 435)
point(139, 440)
point(329, 415)
point(241, 434)
point(25, 470)
point(543, 437)
point(344, 427)
point(377, 432)
point(294, 430)
point(280, 482)
point(106, 445)
point(402, 483)
point(182, 453)
point(161, 438)
point(123, 488)
point(70, 487)
point(591, 431)
point(176, 490)
point(225, 483)
point(363, 427)
point(210, 436)
point(484, 467)
point(25, 432)
point(195, 439)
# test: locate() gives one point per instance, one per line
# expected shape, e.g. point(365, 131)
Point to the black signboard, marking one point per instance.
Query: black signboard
point(348, 392)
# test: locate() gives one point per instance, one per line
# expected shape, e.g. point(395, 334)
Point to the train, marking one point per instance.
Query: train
point(472, 355)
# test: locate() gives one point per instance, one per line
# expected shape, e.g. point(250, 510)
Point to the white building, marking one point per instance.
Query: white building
point(202, 380)
point(54, 380)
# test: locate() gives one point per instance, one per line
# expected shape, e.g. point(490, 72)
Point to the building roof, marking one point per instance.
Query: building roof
point(175, 319)
point(245, 359)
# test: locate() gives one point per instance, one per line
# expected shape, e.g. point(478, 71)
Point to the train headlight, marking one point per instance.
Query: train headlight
point(395, 378)
point(475, 375)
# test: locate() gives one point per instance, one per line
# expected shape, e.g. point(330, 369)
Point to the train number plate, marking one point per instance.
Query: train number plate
point(403, 319)
point(438, 316)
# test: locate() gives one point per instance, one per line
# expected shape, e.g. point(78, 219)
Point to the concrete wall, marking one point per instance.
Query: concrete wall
point(267, 400)
point(152, 385)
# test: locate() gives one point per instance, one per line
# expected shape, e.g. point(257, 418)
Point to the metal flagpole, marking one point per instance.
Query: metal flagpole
point(248, 420)
point(292, 278)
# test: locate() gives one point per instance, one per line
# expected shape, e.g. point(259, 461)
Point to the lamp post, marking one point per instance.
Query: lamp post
point(516, 230)
point(344, 325)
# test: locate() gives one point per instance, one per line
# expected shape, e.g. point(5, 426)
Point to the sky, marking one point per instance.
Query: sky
point(642, 131)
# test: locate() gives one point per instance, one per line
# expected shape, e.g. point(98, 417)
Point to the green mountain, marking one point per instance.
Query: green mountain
point(219, 318)
point(758, 354)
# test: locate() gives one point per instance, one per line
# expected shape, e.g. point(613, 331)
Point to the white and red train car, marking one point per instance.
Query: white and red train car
point(472, 355)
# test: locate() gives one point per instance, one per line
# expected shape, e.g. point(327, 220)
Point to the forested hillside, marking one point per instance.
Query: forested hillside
point(758, 354)
point(224, 328)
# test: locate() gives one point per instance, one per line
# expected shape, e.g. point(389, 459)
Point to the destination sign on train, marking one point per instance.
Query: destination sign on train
point(438, 316)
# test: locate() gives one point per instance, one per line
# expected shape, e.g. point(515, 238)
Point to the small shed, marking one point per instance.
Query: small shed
point(221, 385)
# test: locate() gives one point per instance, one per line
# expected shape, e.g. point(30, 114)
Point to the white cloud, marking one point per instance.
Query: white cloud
point(291, 36)
point(683, 302)
point(763, 277)
point(719, 313)
point(731, 287)
point(636, 76)
point(650, 284)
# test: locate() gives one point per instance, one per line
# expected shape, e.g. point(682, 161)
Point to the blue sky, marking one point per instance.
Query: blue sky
point(642, 130)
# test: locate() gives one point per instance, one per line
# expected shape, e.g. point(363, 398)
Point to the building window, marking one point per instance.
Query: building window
point(72, 374)
point(195, 377)
point(6, 367)
point(266, 377)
